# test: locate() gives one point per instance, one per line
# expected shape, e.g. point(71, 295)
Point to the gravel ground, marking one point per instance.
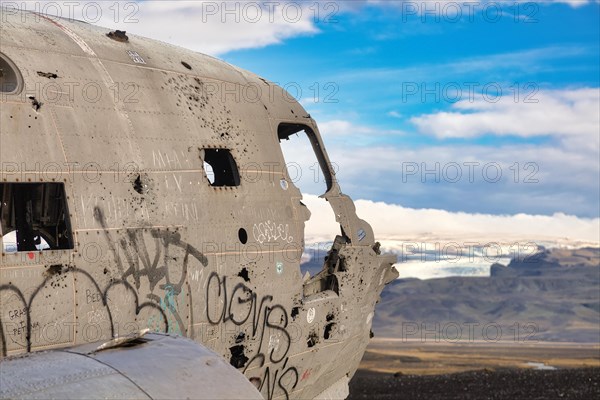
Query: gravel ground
point(510, 384)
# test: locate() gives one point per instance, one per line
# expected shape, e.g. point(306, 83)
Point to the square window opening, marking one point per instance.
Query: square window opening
point(220, 168)
point(34, 217)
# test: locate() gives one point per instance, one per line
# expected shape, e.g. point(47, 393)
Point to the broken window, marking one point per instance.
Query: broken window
point(309, 171)
point(10, 77)
point(34, 217)
point(220, 167)
point(304, 158)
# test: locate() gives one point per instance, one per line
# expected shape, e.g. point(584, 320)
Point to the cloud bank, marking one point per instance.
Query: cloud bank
point(395, 222)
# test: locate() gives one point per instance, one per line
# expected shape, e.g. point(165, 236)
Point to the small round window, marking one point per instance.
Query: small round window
point(11, 81)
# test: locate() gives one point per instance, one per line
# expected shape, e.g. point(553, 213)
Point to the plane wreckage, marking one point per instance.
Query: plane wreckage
point(151, 234)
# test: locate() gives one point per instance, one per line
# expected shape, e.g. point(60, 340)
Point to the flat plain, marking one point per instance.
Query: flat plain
point(402, 369)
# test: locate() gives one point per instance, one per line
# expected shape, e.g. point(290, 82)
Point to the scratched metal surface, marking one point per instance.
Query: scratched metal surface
point(176, 368)
point(169, 257)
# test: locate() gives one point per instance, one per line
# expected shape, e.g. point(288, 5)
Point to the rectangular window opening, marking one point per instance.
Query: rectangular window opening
point(220, 167)
point(34, 217)
point(308, 171)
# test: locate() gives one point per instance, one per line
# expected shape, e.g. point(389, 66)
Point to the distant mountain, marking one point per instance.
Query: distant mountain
point(552, 296)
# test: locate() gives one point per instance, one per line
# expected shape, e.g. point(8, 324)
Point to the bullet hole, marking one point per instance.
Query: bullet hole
point(244, 274)
point(243, 236)
point(313, 339)
point(238, 358)
point(188, 66)
point(119, 36)
point(328, 330)
point(105, 271)
point(54, 270)
point(139, 186)
point(48, 75)
point(240, 338)
point(35, 103)
point(330, 317)
point(295, 312)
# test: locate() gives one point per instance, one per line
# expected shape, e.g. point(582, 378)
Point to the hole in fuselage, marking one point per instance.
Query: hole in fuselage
point(220, 168)
point(244, 274)
point(138, 186)
point(243, 236)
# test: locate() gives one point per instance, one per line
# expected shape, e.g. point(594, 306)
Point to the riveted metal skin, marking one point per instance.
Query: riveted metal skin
point(127, 127)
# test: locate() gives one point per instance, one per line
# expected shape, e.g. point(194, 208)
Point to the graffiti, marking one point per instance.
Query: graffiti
point(28, 325)
point(168, 303)
point(271, 378)
point(270, 232)
point(91, 297)
point(241, 306)
point(96, 316)
point(187, 211)
point(135, 262)
point(156, 267)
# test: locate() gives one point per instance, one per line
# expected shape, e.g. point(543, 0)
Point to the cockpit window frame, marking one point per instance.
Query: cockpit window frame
point(285, 130)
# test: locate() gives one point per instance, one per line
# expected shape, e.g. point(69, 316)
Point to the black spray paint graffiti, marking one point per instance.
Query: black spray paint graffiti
point(27, 304)
point(242, 306)
point(275, 379)
point(140, 264)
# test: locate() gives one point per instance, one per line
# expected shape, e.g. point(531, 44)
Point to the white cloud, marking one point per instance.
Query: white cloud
point(576, 3)
point(211, 27)
point(558, 112)
point(191, 26)
point(343, 128)
point(394, 222)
